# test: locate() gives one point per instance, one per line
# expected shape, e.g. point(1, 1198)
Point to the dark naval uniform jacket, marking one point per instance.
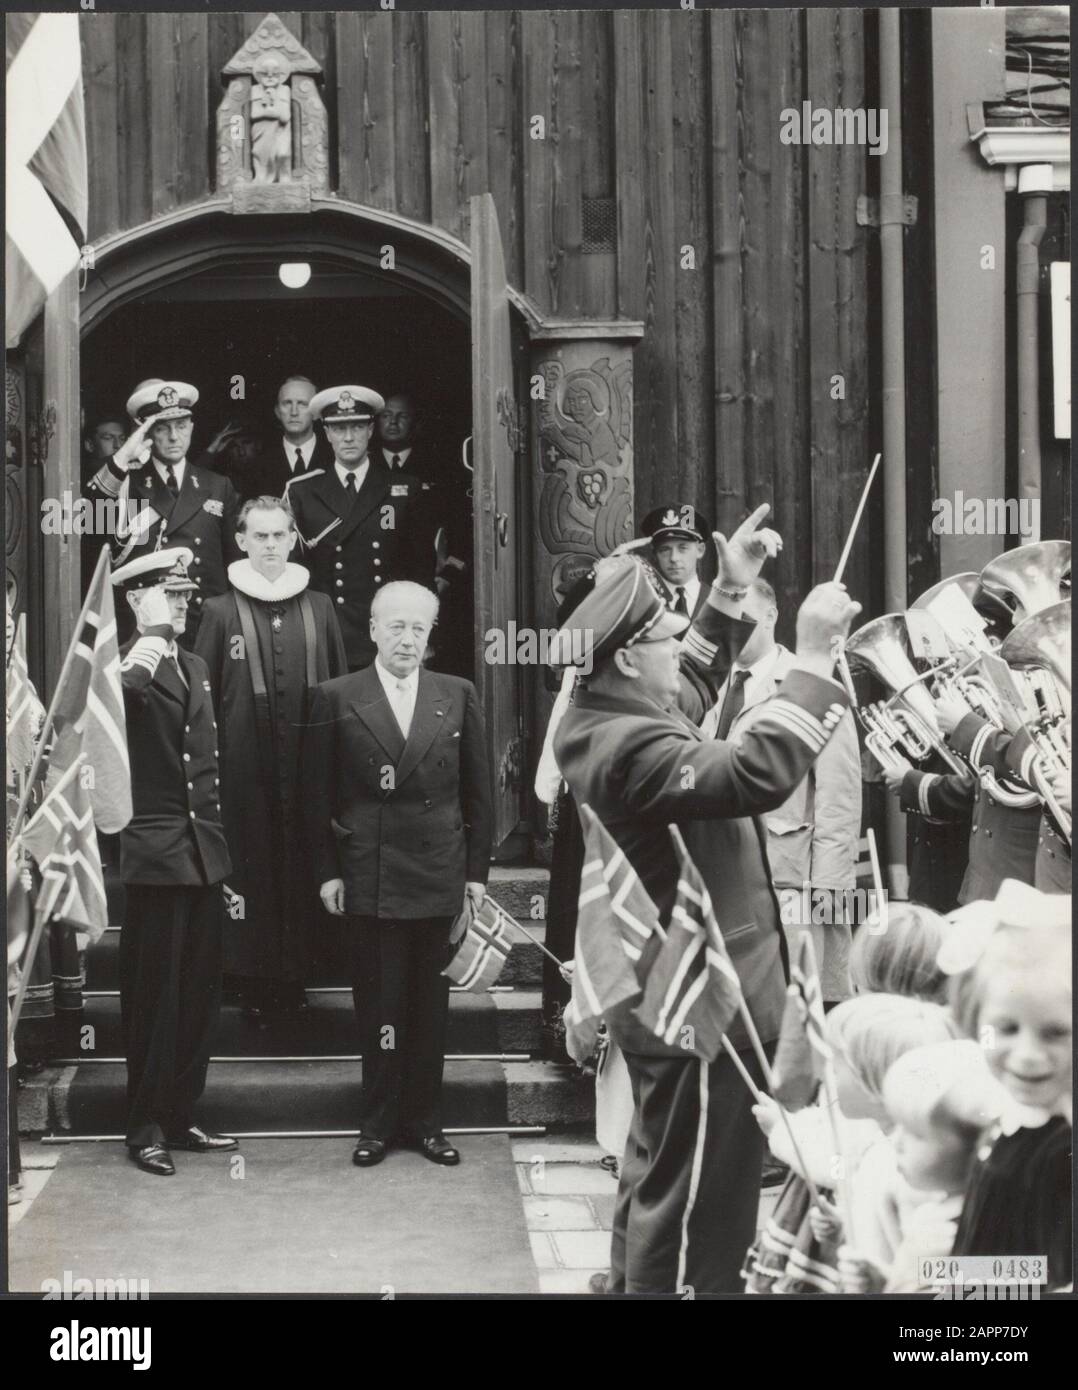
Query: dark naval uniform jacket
point(641, 768)
point(175, 835)
point(1002, 839)
point(203, 517)
point(405, 823)
point(354, 545)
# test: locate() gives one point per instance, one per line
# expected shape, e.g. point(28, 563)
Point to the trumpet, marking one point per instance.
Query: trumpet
point(1029, 578)
point(903, 727)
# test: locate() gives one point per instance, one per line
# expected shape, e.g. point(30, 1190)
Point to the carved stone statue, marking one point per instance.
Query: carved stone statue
point(271, 122)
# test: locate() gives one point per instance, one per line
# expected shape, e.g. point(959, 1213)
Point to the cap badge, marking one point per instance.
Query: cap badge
point(346, 401)
point(670, 518)
point(167, 397)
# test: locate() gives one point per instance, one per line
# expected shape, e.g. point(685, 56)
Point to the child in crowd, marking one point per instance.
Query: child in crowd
point(1014, 997)
point(898, 954)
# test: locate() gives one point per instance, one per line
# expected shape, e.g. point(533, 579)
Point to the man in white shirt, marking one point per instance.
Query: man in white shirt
point(299, 448)
point(678, 535)
point(812, 837)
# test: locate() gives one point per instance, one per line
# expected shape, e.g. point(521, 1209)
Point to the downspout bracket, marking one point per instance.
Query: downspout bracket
point(892, 209)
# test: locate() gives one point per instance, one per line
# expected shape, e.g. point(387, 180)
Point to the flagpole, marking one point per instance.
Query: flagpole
point(46, 728)
point(533, 939)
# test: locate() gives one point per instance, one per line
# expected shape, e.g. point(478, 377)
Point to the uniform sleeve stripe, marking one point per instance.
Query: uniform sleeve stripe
point(1026, 766)
point(927, 783)
point(789, 717)
point(977, 746)
point(699, 647)
point(814, 729)
point(146, 652)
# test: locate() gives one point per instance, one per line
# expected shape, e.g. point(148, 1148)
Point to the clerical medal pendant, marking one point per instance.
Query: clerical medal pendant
point(276, 620)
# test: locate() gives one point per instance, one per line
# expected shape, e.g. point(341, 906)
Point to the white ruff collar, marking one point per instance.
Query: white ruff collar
point(292, 580)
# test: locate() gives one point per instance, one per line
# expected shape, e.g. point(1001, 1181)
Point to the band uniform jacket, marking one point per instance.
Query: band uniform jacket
point(641, 768)
point(354, 545)
point(271, 472)
point(405, 824)
point(813, 835)
point(1002, 839)
point(175, 835)
point(202, 517)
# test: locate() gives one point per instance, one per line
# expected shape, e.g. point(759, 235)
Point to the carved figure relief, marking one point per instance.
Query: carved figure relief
point(272, 128)
point(586, 453)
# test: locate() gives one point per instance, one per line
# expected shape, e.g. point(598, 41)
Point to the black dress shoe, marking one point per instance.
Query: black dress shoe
point(368, 1152)
point(197, 1141)
point(438, 1149)
point(153, 1158)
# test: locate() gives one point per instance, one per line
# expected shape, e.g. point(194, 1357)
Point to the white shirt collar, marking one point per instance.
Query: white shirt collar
point(307, 450)
point(391, 684)
point(761, 669)
point(360, 472)
point(177, 468)
point(401, 455)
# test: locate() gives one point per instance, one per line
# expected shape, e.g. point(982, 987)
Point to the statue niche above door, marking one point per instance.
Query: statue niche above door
point(272, 128)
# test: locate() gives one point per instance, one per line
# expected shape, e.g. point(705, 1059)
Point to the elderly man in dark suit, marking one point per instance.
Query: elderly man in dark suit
point(163, 499)
point(400, 805)
point(690, 1181)
point(173, 858)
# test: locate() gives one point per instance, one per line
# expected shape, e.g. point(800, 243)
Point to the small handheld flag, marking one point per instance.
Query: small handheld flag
point(484, 946)
point(803, 1050)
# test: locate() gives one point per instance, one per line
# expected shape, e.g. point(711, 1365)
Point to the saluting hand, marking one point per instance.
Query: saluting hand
point(742, 557)
point(134, 452)
point(153, 609)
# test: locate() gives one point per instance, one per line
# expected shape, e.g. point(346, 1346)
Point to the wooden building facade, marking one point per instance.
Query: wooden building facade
point(602, 200)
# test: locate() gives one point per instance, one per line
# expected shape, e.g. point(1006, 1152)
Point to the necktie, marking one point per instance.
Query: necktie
point(733, 704)
point(352, 485)
point(298, 463)
point(404, 718)
point(170, 480)
point(174, 659)
point(682, 605)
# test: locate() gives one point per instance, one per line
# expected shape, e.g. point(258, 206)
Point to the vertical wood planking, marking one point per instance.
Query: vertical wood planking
point(540, 92)
point(178, 52)
point(97, 34)
point(410, 122)
point(599, 268)
point(728, 232)
point(471, 77)
point(647, 254)
point(133, 120)
point(836, 277)
point(504, 135)
point(365, 100)
point(568, 152)
point(695, 364)
point(792, 483)
point(456, 72)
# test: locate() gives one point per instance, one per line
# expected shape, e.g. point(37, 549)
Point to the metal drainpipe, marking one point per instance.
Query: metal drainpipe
point(894, 383)
point(1027, 312)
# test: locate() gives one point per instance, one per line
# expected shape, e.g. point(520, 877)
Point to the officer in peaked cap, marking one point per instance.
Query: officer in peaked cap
point(678, 541)
point(164, 500)
point(689, 1185)
point(173, 860)
point(357, 523)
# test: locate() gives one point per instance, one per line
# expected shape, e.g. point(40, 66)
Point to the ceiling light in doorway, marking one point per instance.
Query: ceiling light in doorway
point(294, 274)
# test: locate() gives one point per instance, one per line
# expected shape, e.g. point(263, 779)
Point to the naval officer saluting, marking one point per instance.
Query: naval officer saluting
point(173, 858)
point(165, 500)
point(358, 524)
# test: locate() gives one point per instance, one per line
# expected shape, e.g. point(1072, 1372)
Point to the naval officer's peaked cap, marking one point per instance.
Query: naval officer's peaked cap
point(161, 400)
point(619, 611)
point(165, 567)
point(680, 522)
point(338, 404)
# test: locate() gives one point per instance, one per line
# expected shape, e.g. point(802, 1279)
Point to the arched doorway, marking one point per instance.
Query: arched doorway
point(388, 304)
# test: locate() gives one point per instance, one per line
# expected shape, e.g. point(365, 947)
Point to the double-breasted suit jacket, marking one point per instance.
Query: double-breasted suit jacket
point(175, 835)
point(272, 472)
point(405, 823)
point(352, 545)
point(202, 516)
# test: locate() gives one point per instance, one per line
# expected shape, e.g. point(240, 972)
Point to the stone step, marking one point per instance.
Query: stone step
point(311, 1095)
point(478, 1023)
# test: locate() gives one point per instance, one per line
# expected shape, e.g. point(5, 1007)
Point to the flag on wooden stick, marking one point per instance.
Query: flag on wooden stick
point(88, 709)
point(615, 920)
point(62, 839)
point(484, 946)
point(25, 712)
point(803, 1050)
point(692, 991)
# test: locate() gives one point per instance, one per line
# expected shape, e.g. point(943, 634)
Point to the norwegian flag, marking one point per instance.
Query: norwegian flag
point(25, 714)
point(89, 714)
point(45, 164)
point(692, 991)
point(615, 920)
point(62, 839)
point(803, 1050)
point(484, 947)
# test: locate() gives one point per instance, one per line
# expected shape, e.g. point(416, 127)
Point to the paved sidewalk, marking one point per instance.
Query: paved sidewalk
point(569, 1209)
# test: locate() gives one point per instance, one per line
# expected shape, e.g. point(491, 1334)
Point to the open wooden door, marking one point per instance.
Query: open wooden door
point(495, 442)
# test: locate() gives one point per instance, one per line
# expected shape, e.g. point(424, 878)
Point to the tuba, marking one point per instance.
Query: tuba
point(1030, 577)
point(1041, 647)
point(905, 725)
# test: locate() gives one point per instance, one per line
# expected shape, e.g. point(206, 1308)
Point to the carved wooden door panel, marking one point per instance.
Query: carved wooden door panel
point(495, 445)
